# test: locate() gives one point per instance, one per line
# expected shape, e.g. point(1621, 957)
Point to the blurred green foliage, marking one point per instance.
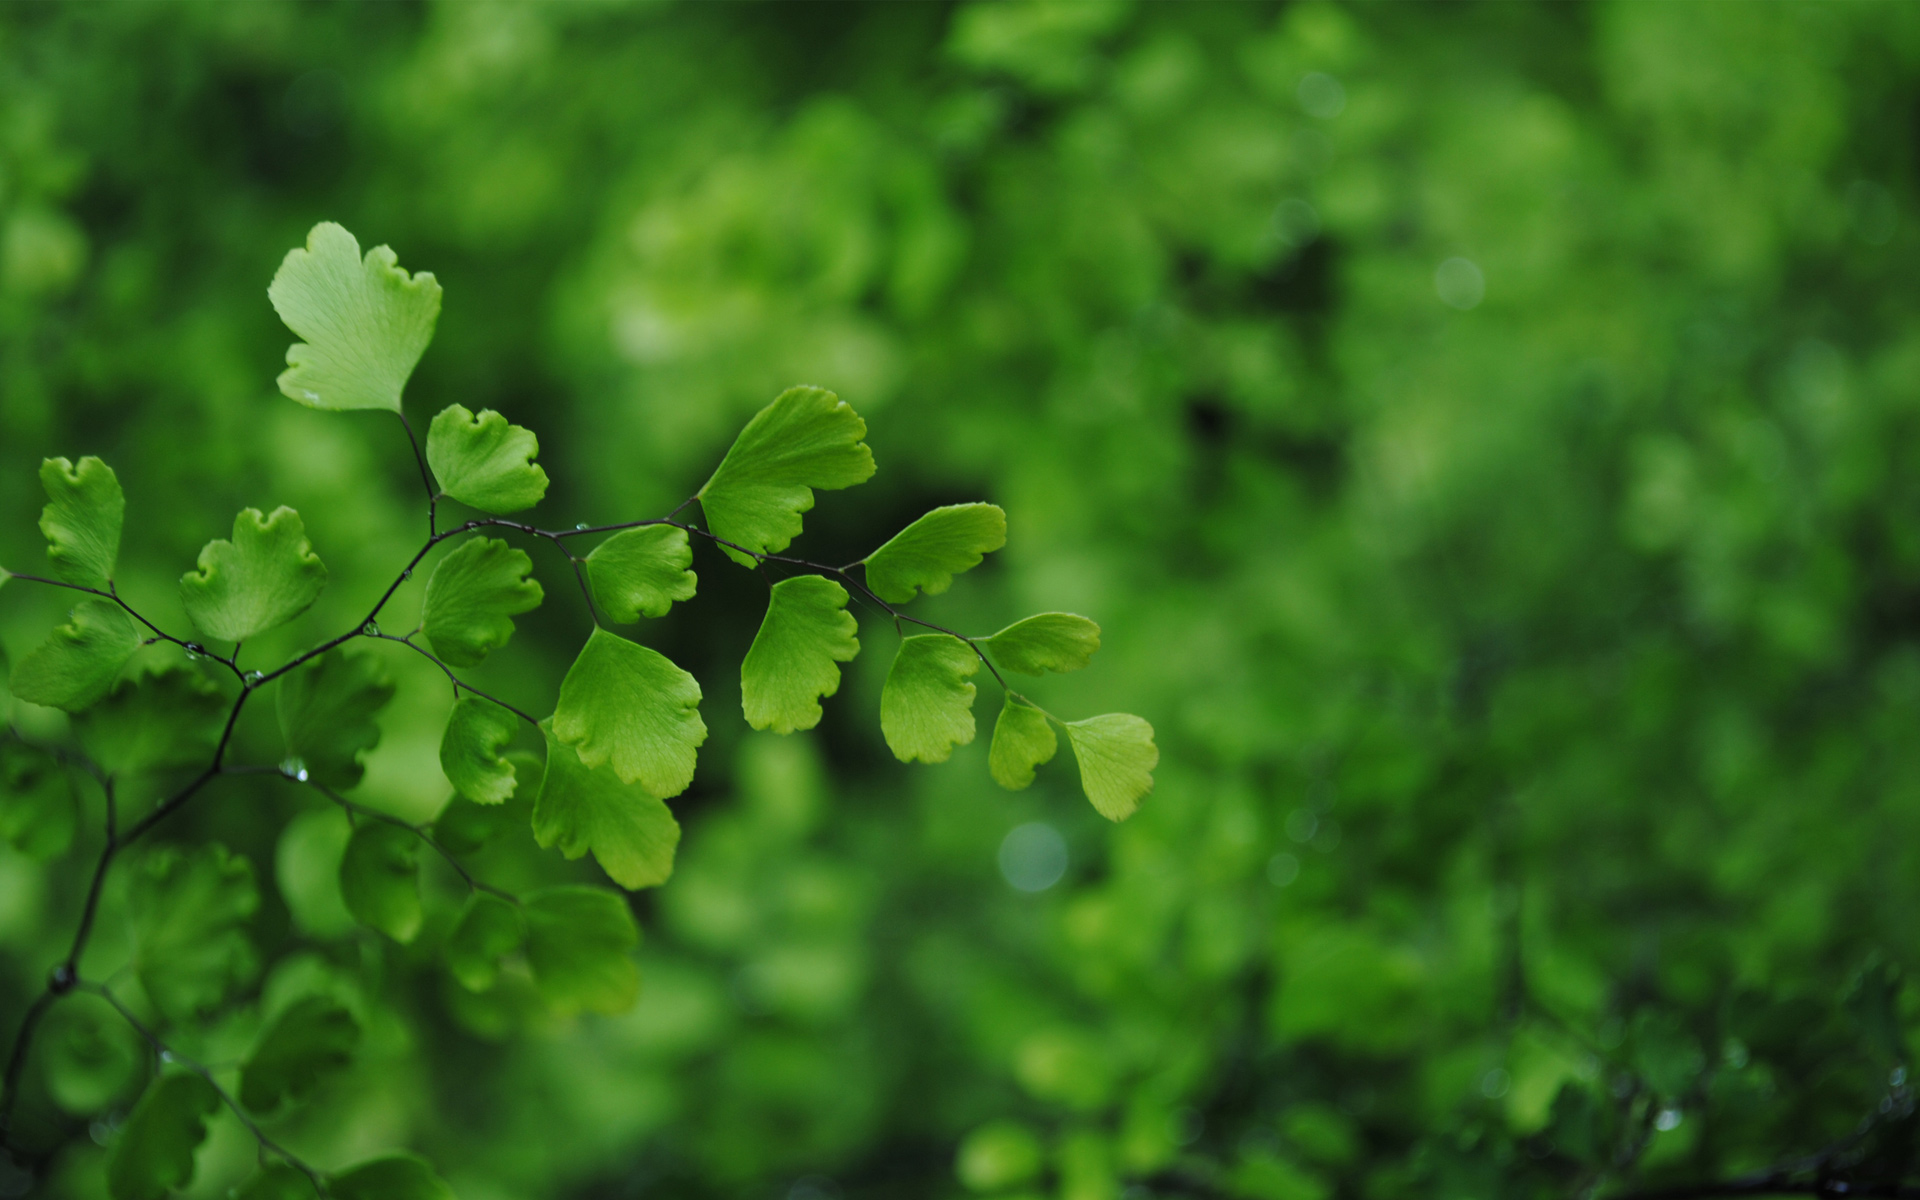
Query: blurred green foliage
point(1485, 433)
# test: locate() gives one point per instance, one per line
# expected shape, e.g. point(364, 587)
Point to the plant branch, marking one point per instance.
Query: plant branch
point(168, 1053)
point(459, 684)
point(426, 479)
point(112, 593)
point(418, 831)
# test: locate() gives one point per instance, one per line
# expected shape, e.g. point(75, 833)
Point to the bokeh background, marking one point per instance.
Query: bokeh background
point(1488, 434)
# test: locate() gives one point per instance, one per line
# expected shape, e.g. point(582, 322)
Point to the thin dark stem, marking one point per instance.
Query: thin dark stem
point(416, 830)
point(168, 1053)
point(159, 634)
point(17, 1059)
point(426, 479)
point(459, 684)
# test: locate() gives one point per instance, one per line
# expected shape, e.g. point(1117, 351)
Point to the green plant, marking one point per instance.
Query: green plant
point(622, 739)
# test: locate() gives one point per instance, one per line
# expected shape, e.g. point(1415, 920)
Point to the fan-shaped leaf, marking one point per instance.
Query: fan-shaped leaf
point(926, 555)
point(313, 1038)
point(277, 1181)
point(470, 750)
point(795, 658)
point(190, 912)
point(464, 827)
point(396, 1177)
point(641, 571)
point(630, 831)
point(473, 597)
point(366, 321)
point(485, 462)
point(169, 716)
point(380, 879)
point(1022, 740)
point(75, 667)
point(926, 707)
point(807, 438)
point(82, 519)
point(266, 576)
point(1117, 756)
point(93, 1056)
point(1048, 642)
point(155, 1152)
point(38, 813)
point(488, 930)
point(327, 706)
point(624, 704)
point(578, 943)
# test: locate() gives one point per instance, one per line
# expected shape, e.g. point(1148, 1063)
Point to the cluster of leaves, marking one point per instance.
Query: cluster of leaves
point(621, 741)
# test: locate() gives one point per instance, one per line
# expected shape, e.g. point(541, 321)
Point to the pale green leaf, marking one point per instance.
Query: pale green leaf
point(473, 597)
point(807, 438)
point(488, 930)
point(470, 750)
point(926, 707)
point(579, 941)
point(395, 1177)
point(266, 576)
point(464, 827)
point(154, 1154)
point(1048, 642)
point(190, 912)
point(1117, 756)
point(312, 1039)
point(1022, 740)
point(75, 667)
point(38, 811)
point(169, 716)
point(641, 571)
point(484, 461)
point(630, 831)
point(366, 321)
point(93, 1056)
point(82, 519)
point(926, 555)
point(327, 706)
point(380, 879)
point(624, 704)
point(795, 658)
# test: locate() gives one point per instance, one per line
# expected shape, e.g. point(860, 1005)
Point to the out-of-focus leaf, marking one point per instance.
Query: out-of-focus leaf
point(485, 462)
point(157, 1145)
point(366, 321)
point(191, 909)
point(926, 555)
point(579, 942)
point(464, 827)
point(313, 1038)
point(277, 1181)
point(926, 707)
point(75, 667)
point(794, 659)
point(266, 576)
point(380, 879)
point(807, 438)
point(488, 930)
point(396, 1177)
point(93, 1057)
point(38, 812)
point(82, 519)
point(169, 716)
point(327, 708)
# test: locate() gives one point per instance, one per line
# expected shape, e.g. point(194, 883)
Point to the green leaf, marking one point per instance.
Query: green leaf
point(470, 750)
point(266, 576)
point(488, 930)
point(313, 1038)
point(578, 943)
point(630, 831)
point(277, 1181)
point(327, 706)
point(366, 321)
point(190, 913)
point(1117, 756)
point(926, 707)
point(472, 598)
point(794, 659)
point(75, 667)
point(641, 571)
point(624, 704)
point(1048, 642)
point(395, 1177)
point(38, 811)
point(485, 462)
point(807, 438)
point(926, 555)
point(155, 1152)
point(93, 1056)
point(169, 716)
point(380, 879)
point(82, 519)
point(464, 827)
point(1022, 740)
